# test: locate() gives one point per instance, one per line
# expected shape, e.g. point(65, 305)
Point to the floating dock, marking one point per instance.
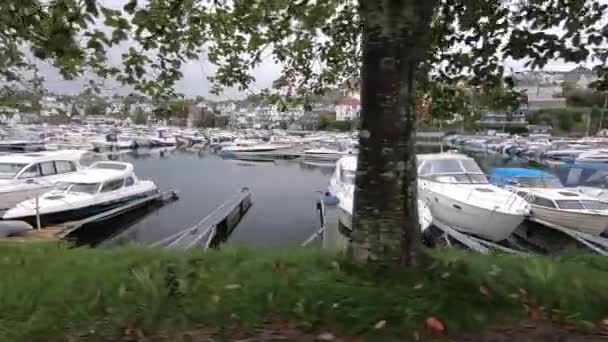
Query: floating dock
point(59, 232)
point(214, 228)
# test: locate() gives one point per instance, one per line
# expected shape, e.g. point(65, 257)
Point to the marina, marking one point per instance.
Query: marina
point(528, 189)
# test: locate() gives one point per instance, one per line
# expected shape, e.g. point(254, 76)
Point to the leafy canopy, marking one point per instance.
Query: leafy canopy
point(317, 43)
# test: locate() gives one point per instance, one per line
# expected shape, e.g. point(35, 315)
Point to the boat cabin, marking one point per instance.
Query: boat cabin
point(450, 168)
point(563, 199)
point(39, 165)
point(101, 177)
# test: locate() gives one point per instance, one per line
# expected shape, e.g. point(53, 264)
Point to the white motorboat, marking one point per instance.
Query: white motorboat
point(324, 153)
point(114, 142)
point(553, 203)
point(163, 138)
point(458, 194)
point(564, 154)
point(101, 187)
point(26, 175)
point(235, 149)
point(191, 137)
point(342, 185)
point(593, 156)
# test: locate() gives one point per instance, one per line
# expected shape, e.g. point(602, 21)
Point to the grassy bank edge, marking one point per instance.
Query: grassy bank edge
point(50, 291)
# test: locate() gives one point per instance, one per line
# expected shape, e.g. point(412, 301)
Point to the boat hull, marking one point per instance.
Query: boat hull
point(9, 199)
point(488, 224)
point(590, 223)
point(79, 213)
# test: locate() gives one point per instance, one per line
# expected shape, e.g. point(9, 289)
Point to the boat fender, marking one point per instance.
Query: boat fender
point(329, 199)
point(14, 228)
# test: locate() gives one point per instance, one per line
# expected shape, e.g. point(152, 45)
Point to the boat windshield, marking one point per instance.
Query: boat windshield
point(459, 178)
point(9, 170)
point(450, 166)
point(83, 188)
point(461, 171)
point(539, 182)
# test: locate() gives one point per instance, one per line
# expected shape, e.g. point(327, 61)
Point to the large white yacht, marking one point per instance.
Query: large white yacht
point(458, 194)
point(342, 185)
point(28, 174)
point(101, 187)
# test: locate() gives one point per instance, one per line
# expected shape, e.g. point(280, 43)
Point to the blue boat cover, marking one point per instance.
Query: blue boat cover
point(510, 172)
point(499, 175)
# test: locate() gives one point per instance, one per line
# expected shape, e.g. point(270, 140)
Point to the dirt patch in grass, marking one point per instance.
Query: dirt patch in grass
point(521, 332)
point(530, 332)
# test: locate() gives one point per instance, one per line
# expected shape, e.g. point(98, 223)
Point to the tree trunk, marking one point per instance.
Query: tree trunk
point(385, 217)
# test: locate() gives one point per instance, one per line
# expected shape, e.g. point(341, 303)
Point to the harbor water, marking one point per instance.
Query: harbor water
point(284, 197)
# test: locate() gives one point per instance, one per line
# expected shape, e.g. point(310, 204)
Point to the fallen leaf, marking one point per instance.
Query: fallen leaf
point(419, 286)
point(434, 324)
point(380, 324)
point(232, 286)
point(534, 313)
point(484, 291)
point(325, 337)
point(445, 275)
point(215, 298)
point(279, 266)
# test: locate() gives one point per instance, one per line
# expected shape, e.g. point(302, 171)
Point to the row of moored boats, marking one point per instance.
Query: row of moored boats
point(53, 187)
point(454, 191)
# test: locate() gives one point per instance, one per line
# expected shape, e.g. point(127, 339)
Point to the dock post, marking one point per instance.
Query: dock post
point(333, 239)
point(37, 213)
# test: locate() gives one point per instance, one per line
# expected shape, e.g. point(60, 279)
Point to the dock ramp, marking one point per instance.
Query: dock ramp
point(214, 228)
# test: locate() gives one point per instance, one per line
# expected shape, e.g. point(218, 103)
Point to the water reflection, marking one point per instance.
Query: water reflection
point(284, 196)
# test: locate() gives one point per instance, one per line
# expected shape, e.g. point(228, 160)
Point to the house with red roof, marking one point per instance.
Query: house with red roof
point(347, 108)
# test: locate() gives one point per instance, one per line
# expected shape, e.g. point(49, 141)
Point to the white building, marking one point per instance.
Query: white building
point(348, 108)
point(51, 106)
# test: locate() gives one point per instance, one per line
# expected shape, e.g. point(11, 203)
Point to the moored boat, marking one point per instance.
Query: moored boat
point(103, 186)
point(28, 174)
point(553, 203)
point(342, 185)
point(458, 194)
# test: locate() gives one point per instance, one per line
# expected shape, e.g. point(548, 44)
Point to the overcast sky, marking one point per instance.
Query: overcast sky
point(195, 81)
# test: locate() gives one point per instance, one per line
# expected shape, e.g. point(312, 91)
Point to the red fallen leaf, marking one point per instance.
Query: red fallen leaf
point(484, 291)
point(434, 324)
point(534, 313)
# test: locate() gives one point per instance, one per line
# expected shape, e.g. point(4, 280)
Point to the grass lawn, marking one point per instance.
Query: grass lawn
point(50, 291)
